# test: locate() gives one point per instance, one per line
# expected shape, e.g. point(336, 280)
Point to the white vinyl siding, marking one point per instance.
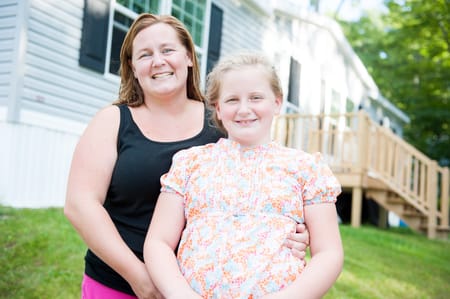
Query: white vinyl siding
point(34, 165)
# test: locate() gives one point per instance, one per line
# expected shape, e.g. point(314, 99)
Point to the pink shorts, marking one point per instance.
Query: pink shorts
point(91, 289)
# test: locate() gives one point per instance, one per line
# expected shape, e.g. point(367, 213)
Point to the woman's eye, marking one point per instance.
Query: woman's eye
point(167, 50)
point(143, 55)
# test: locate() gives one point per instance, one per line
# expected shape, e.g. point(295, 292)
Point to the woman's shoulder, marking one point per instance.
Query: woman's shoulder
point(106, 119)
point(108, 112)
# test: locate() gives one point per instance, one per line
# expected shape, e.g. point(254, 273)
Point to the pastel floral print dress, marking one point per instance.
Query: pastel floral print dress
point(239, 207)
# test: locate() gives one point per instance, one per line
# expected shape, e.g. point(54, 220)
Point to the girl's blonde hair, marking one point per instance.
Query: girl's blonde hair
point(235, 62)
point(130, 91)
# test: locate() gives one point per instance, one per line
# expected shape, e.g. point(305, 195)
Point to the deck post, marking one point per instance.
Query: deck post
point(445, 197)
point(382, 217)
point(356, 206)
point(432, 199)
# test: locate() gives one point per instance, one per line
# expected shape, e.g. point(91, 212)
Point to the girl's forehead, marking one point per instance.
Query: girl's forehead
point(244, 81)
point(247, 72)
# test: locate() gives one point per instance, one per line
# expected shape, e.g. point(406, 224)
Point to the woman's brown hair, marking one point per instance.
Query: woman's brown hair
point(130, 91)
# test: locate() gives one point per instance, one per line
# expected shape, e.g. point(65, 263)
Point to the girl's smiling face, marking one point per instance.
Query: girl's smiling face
point(247, 105)
point(160, 62)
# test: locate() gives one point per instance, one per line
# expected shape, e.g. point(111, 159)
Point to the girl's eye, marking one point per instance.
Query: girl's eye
point(256, 98)
point(231, 100)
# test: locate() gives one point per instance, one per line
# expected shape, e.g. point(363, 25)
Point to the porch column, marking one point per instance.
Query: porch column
point(356, 206)
point(382, 217)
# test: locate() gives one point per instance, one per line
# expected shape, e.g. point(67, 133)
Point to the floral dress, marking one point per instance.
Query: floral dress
point(240, 205)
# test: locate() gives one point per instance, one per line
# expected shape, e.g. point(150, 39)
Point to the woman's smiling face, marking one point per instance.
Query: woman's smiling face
point(160, 62)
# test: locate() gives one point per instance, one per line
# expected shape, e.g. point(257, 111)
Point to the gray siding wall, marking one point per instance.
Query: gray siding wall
point(49, 102)
point(8, 22)
point(244, 26)
point(54, 83)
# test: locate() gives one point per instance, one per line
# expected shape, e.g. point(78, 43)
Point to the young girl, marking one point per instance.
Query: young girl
point(233, 202)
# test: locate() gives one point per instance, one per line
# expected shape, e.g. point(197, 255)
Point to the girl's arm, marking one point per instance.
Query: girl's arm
point(327, 255)
point(163, 236)
point(90, 173)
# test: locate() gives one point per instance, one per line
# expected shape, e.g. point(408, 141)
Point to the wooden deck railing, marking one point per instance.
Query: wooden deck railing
point(366, 156)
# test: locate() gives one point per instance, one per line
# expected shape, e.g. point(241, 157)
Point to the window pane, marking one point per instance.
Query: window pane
point(125, 3)
point(177, 13)
point(141, 6)
point(114, 63)
point(191, 13)
point(189, 7)
point(120, 27)
point(199, 13)
point(198, 34)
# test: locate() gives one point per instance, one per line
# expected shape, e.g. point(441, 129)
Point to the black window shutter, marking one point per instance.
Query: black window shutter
point(294, 82)
point(94, 35)
point(215, 37)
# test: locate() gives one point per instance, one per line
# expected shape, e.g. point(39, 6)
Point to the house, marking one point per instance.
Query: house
point(60, 61)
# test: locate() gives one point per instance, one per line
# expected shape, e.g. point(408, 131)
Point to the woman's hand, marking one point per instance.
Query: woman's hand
point(298, 242)
point(143, 286)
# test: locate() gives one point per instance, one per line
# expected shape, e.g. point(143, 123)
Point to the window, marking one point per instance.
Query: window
point(106, 22)
point(335, 102)
point(349, 106)
point(294, 82)
point(192, 14)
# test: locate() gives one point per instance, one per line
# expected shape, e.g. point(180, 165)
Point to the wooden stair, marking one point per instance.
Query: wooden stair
point(416, 219)
point(371, 160)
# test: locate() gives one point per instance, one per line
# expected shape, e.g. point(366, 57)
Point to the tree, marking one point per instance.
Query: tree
point(407, 52)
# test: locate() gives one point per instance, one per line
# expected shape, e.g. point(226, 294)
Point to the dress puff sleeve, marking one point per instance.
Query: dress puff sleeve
point(320, 185)
point(175, 180)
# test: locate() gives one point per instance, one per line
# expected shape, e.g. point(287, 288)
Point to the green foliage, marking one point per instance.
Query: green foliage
point(407, 52)
point(42, 257)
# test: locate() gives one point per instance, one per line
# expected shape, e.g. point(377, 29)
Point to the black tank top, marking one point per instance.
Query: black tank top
point(135, 187)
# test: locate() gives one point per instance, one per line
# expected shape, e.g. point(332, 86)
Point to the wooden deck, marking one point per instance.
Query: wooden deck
point(371, 161)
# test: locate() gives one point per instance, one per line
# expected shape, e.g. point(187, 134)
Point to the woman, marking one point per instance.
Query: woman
point(114, 178)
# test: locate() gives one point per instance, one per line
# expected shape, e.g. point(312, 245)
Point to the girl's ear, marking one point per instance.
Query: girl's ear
point(278, 104)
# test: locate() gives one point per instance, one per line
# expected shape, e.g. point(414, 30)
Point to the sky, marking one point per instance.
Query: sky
point(351, 9)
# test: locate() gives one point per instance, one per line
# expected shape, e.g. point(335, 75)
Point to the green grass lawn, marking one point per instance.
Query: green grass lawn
point(42, 257)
